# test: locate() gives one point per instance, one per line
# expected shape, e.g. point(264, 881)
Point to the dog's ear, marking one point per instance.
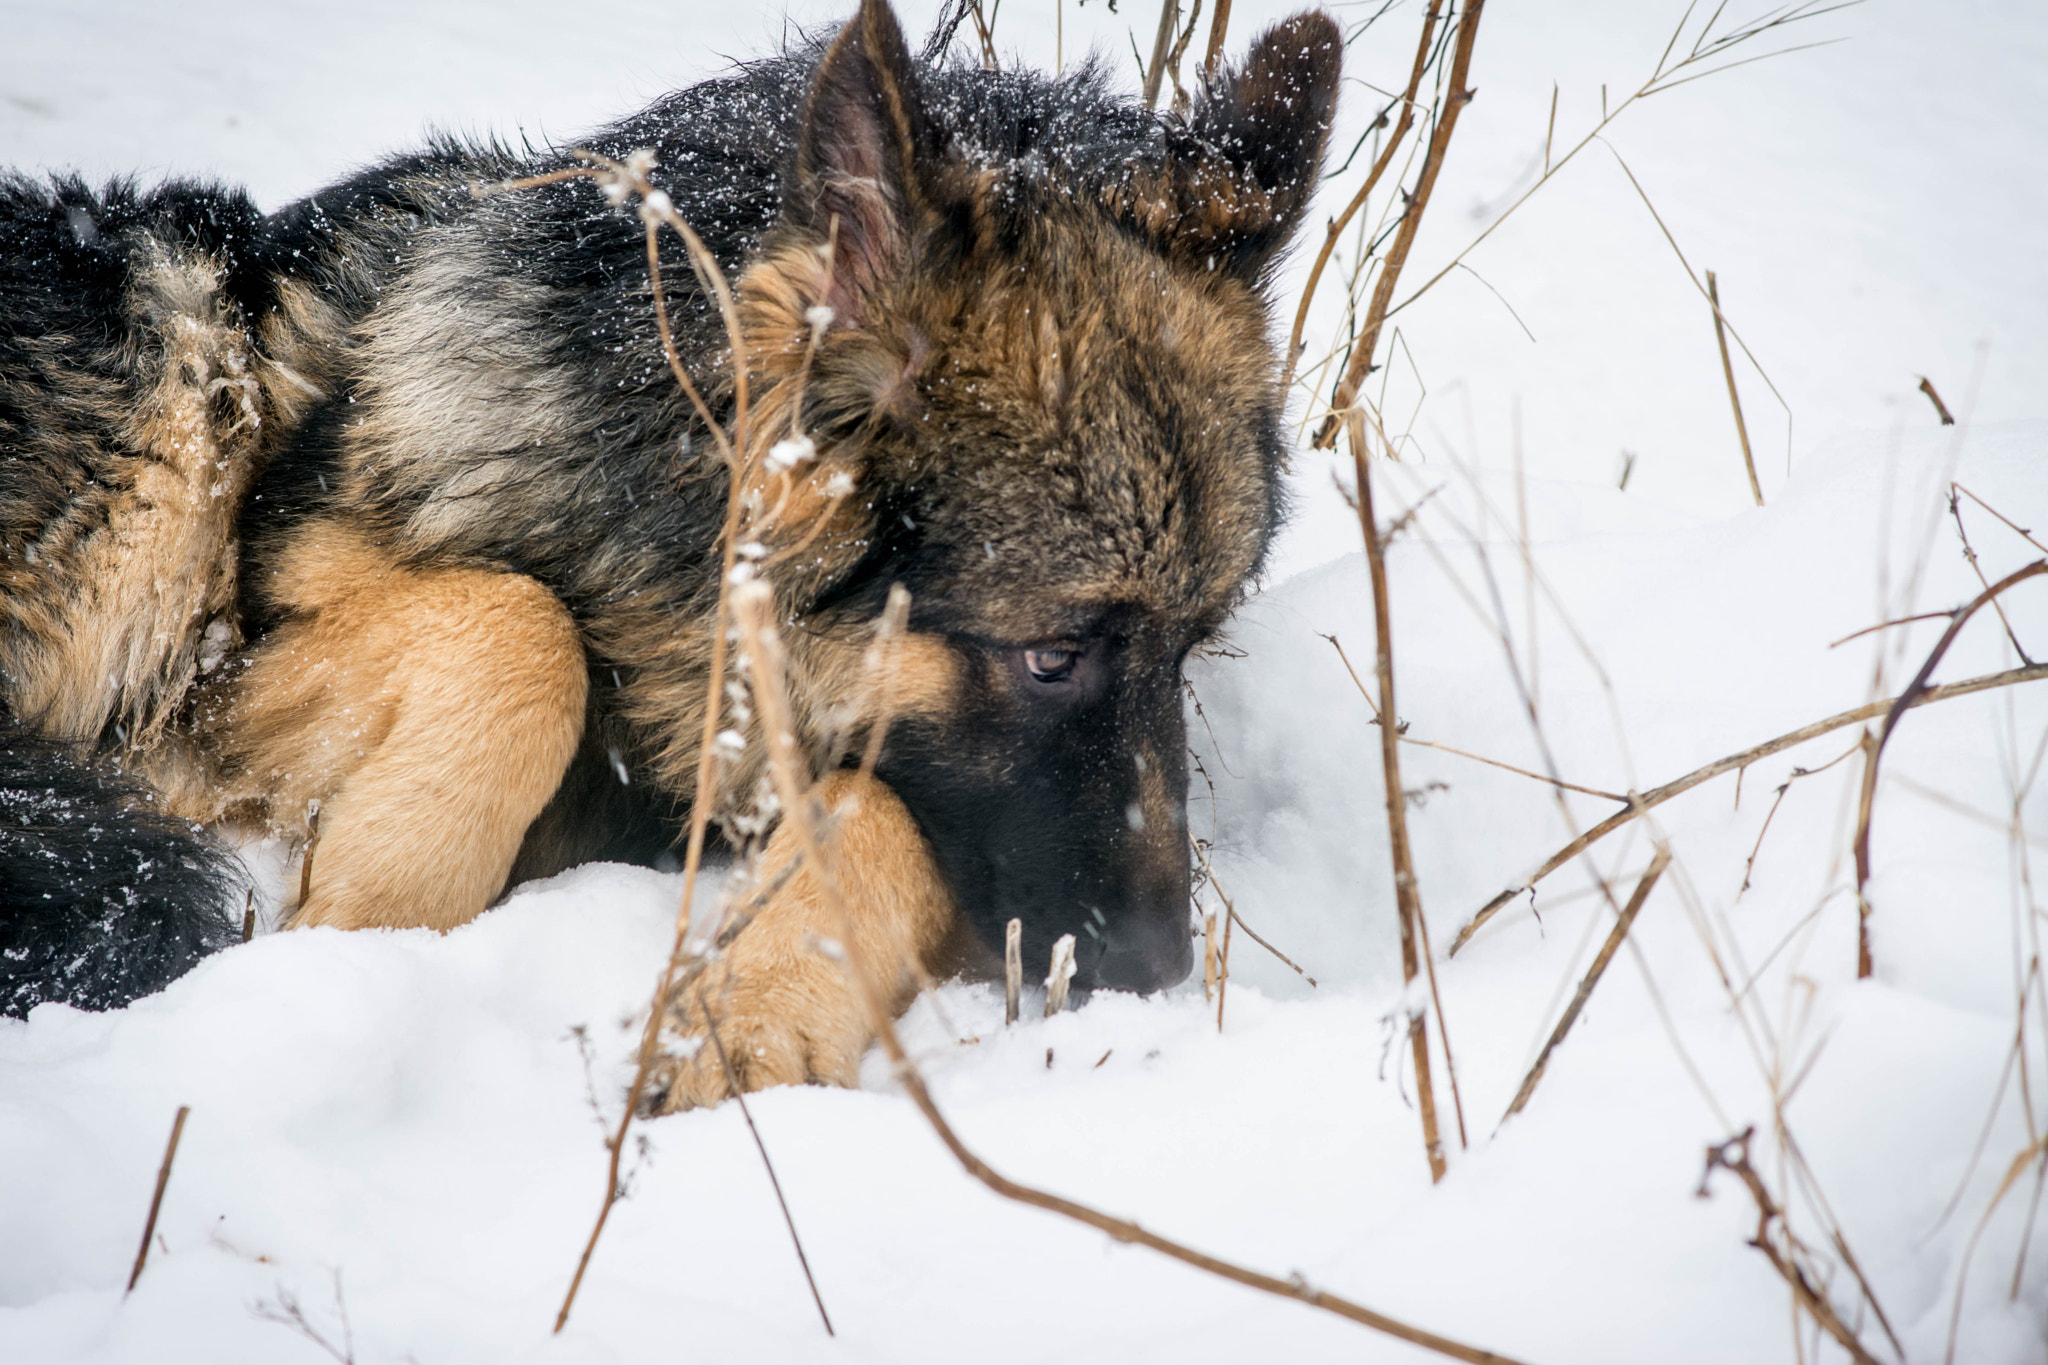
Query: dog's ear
point(860, 157)
point(1241, 169)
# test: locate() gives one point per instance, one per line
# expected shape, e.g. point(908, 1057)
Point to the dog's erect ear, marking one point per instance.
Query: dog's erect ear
point(1240, 171)
point(860, 156)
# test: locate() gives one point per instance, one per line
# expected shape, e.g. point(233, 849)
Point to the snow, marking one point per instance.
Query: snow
point(403, 1123)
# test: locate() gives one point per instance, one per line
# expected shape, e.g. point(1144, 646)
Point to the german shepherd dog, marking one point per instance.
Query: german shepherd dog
point(388, 506)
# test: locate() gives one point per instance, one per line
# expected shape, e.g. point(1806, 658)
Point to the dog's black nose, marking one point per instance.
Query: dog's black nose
point(1139, 955)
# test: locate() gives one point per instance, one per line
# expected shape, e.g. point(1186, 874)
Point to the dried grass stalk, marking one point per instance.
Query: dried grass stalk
point(156, 1200)
point(1657, 796)
point(1592, 979)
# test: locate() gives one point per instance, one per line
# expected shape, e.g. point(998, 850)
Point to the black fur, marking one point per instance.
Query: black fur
point(102, 899)
point(562, 449)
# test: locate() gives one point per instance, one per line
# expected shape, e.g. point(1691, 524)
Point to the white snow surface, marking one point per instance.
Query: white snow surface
point(396, 1132)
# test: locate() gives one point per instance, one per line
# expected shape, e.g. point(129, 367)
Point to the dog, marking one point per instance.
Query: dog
point(382, 522)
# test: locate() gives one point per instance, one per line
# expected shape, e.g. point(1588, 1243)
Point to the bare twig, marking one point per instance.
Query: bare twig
point(1657, 796)
point(156, 1200)
point(287, 1312)
point(1407, 894)
point(1218, 23)
point(2022, 532)
point(1013, 969)
point(1061, 976)
point(1162, 43)
point(1779, 800)
point(1664, 77)
point(618, 180)
point(739, 1094)
point(790, 781)
point(1906, 699)
point(1756, 489)
point(1358, 200)
point(1775, 1240)
point(1455, 99)
point(1237, 919)
point(1927, 387)
point(1461, 753)
point(1955, 510)
point(1592, 979)
point(1887, 625)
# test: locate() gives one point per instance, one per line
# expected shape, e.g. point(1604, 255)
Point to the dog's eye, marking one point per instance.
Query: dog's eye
point(1051, 665)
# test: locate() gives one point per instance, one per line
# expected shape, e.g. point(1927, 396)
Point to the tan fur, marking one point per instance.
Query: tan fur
point(784, 1005)
point(430, 712)
point(126, 645)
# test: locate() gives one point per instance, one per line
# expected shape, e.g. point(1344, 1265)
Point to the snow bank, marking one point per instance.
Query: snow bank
point(398, 1128)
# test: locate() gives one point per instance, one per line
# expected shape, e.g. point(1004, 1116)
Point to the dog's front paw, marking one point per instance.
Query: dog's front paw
point(755, 1021)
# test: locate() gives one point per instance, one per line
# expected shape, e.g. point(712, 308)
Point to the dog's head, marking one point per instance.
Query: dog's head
point(1026, 328)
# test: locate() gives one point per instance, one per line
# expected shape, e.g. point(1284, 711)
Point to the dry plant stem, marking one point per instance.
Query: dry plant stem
point(1407, 895)
point(156, 1200)
point(312, 842)
point(1162, 43)
point(791, 787)
point(1913, 691)
point(1756, 490)
point(1461, 753)
point(1657, 796)
point(1223, 967)
point(2022, 532)
point(249, 915)
point(1013, 969)
point(1770, 1218)
point(1219, 23)
point(1455, 99)
point(1901, 621)
point(1592, 979)
point(739, 1095)
point(1209, 956)
point(1238, 919)
point(705, 794)
point(1661, 80)
point(1372, 178)
point(1927, 387)
point(1955, 510)
point(1061, 975)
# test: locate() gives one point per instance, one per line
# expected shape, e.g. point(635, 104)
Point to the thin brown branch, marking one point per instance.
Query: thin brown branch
point(1237, 919)
point(1456, 98)
point(1591, 979)
point(740, 1096)
point(1775, 1240)
point(1407, 894)
point(1927, 387)
point(1218, 23)
point(631, 178)
point(156, 1200)
point(1162, 43)
point(1661, 79)
point(1770, 815)
point(1358, 200)
point(1461, 753)
point(1906, 699)
point(763, 651)
point(1955, 510)
point(1657, 796)
point(1887, 625)
point(2022, 532)
point(1756, 490)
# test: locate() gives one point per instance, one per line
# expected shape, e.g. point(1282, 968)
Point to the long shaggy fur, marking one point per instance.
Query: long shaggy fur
point(102, 896)
point(388, 504)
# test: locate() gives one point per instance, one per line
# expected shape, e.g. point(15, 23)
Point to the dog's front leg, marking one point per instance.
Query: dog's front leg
point(782, 998)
